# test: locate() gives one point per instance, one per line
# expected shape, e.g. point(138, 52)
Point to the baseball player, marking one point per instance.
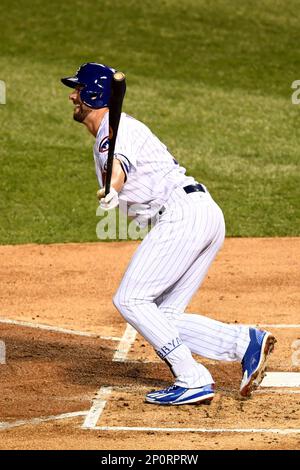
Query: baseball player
point(174, 257)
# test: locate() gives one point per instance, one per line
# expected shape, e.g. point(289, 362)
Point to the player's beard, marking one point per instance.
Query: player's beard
point(81, 112)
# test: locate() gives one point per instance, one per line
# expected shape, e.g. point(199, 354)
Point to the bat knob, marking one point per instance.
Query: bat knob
point(119, 76)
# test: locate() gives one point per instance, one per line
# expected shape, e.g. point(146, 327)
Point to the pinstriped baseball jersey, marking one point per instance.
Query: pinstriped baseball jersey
point(172, 260)
point(151, 171)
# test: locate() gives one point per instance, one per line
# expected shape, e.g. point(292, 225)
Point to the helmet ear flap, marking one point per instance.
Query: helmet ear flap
point(92, 98)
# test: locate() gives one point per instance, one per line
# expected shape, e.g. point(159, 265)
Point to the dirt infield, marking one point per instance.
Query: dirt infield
point(51, 375)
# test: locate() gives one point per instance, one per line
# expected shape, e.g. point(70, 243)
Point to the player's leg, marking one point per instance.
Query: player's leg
point(204, 336)
point(160, 261)
point(214, 339)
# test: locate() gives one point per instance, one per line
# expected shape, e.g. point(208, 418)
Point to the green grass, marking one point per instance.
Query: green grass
point(211, 78)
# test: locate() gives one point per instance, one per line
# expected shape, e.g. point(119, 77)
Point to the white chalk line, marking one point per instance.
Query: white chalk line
point(101, 402)
point(57, 329)
point(104, 392)
point(34, 421)
point(198, 430)
point(97, 407)
point(125, 344)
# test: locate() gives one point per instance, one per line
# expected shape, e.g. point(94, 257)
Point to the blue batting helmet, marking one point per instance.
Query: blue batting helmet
point(95, 80)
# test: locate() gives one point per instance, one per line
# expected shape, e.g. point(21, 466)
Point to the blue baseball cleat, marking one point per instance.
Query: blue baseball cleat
point(254, 361)
point(176, 395)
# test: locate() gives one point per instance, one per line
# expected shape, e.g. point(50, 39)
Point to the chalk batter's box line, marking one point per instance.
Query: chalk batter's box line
point(57, 329)
point(37, 421)
point(199, 430)
point(104, 392)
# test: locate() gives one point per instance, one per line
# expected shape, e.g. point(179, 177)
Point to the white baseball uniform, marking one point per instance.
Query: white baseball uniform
point(174, 257)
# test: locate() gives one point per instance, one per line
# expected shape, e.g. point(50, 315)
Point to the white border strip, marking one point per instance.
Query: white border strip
point(281, 379)
point(198, 430)
point(57, 329)
point(103, 393)
point(33, 421)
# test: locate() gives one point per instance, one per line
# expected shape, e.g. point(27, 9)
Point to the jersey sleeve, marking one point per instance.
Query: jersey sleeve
point(98, 171)
point(130, 139)
point(126, 144)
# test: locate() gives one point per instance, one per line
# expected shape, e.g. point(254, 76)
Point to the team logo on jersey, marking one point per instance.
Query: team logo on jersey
point(104, 144)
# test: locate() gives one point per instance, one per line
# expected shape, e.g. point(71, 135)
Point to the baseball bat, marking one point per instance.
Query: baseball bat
point(118, 88)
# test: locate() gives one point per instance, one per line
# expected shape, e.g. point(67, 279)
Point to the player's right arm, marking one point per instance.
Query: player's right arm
point(118, 176)
point(116, 185)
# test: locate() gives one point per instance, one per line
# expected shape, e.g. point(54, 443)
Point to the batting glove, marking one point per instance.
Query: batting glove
point(110, 201)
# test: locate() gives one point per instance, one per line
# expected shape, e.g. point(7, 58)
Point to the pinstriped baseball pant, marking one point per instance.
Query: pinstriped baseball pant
point(163, 275)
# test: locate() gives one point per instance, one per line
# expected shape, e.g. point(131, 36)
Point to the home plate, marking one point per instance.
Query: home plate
point(281, 379)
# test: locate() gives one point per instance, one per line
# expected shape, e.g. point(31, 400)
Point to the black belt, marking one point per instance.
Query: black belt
point(192, 188)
